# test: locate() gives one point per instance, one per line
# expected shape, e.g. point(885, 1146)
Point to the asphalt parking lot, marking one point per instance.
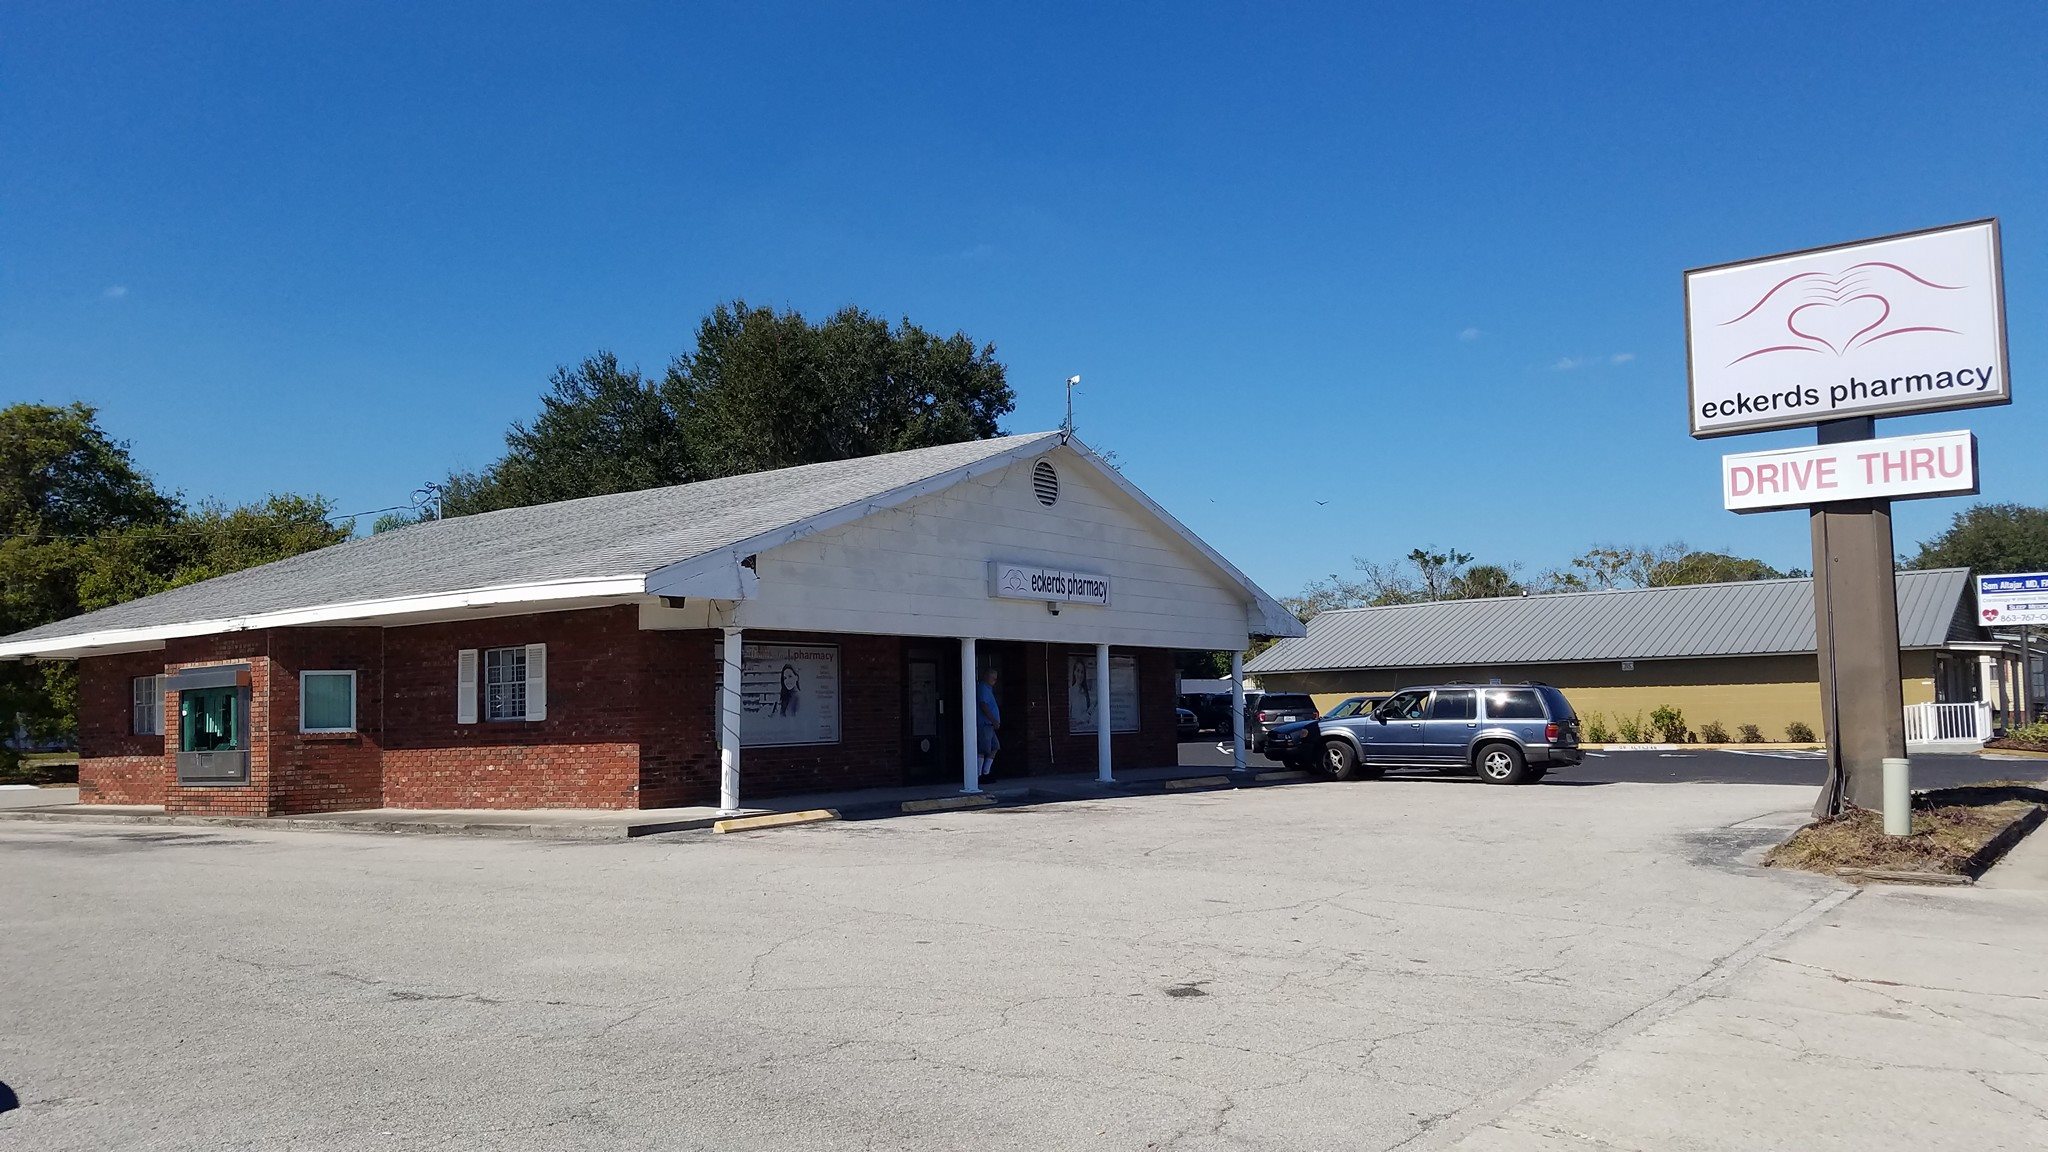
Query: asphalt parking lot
point(1315, 966)
point(1707, 766)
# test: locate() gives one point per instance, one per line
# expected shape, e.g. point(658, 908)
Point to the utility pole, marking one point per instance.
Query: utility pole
point(1068, 427)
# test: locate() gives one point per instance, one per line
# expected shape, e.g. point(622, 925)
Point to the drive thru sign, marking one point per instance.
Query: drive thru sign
point(1897, 467)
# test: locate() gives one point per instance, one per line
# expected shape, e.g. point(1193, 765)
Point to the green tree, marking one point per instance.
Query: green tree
point(760, 389)
point(1486, 581)
point(601, 429)
point(85, 528)
point(1710, 568)
point(766, 389)
point(1990, 538)
point(63, 483)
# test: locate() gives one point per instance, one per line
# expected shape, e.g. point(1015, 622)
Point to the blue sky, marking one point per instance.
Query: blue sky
point(1422, 264)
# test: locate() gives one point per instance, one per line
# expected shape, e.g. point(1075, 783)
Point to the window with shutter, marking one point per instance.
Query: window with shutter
point(536, 681)
point(465, 686)
point(505, 683)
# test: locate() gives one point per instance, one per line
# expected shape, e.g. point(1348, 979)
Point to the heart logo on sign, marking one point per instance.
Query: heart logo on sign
point(1838, 324)
point(1990, 614)
point(1841, 311)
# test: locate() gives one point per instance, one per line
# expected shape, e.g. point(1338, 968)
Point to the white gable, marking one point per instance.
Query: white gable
point(922, 568)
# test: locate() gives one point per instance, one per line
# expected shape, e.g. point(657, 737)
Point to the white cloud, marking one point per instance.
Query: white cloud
point(1574, 363)
point(1469, 335)
point(115, 292)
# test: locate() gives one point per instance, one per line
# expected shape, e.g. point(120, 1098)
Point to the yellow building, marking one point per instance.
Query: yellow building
point(1732, 654)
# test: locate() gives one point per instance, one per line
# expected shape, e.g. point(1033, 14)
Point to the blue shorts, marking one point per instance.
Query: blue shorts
point(985, 740)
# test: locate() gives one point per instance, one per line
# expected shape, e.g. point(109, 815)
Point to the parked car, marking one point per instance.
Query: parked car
point(1507, 733)
point(1185, 726)
point(1211, 709)
point(1296, 744)
point(1352, 706)
point(1263, 711)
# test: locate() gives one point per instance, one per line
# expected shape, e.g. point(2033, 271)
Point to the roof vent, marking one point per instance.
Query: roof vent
point(1046, 483)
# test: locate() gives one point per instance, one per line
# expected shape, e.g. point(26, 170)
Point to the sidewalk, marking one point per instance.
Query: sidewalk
point(1903, 1018)
point(623, 824)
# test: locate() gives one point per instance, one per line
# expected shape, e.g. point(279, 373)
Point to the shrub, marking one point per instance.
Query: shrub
point(1596, 729)
point(1713, 733)
point(2035, 733)
point(1632, 728)
point(1798, 733)
point(1670, 724)
point(1750, 734)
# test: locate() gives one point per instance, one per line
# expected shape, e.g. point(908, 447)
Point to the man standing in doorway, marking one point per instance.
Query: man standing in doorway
point(988, 716)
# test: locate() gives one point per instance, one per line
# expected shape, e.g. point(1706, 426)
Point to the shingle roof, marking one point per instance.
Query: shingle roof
point(1756, 617)
point(629, 534)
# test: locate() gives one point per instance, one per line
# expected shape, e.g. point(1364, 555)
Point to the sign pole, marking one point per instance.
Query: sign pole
point(2026, 675)
point(1856, 626)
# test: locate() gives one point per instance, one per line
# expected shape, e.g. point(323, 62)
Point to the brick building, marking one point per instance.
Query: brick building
point(820, 627)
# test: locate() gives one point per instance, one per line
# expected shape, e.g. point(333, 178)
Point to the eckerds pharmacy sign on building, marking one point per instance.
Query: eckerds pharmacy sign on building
point(1911, 323)
point(1016, 580)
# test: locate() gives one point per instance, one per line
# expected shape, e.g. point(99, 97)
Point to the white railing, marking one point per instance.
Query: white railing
point(1927, 723)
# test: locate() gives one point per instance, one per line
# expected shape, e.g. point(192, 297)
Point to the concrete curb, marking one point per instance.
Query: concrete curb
point(1187, 783)
point(945, 804)
point(1763, 747)
point(406, 827)
point(773, 820)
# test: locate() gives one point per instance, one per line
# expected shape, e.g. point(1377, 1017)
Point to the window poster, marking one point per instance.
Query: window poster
point(789, 693)
point(1083, 707)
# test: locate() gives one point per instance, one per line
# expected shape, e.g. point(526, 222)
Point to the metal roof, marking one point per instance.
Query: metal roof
point(1748, 618)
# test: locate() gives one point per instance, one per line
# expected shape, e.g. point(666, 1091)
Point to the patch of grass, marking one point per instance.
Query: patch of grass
point(1949, 826)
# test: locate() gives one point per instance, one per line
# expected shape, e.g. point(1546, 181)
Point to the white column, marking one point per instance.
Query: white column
point(729, 723)
point(1103, 724)
point(970, 716)
point(1237, 710)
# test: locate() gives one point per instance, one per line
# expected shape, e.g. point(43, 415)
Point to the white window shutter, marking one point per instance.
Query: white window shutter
point(536, 681)
point(465, 686)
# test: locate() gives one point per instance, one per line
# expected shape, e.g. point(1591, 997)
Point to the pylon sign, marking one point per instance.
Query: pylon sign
point(1907, 323)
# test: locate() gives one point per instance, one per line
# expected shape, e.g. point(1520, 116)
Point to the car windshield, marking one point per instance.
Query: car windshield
point(1287, 702)
point(1351, 707)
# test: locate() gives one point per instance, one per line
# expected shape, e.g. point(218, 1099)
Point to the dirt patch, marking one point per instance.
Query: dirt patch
point(1951, 827)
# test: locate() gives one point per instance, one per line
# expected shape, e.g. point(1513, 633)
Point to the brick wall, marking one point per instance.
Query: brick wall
point(584, 755)
point(323, 771)
point(1154, 745)
point(116, 766)
point(630, 720)
point(679, 734)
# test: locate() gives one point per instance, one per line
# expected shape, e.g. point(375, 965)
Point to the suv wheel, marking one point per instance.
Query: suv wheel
point(1340, 761)
point(1501, 764)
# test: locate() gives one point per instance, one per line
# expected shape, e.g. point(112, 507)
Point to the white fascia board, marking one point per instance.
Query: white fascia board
point(723, 569)
point(1265, 612)
point(155, 634)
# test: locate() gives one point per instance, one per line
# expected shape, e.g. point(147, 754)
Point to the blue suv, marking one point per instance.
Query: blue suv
point(1507, 733)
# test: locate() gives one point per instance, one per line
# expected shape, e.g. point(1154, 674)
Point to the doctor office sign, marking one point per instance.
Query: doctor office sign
point(1907, 323)
point(1024, 580)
